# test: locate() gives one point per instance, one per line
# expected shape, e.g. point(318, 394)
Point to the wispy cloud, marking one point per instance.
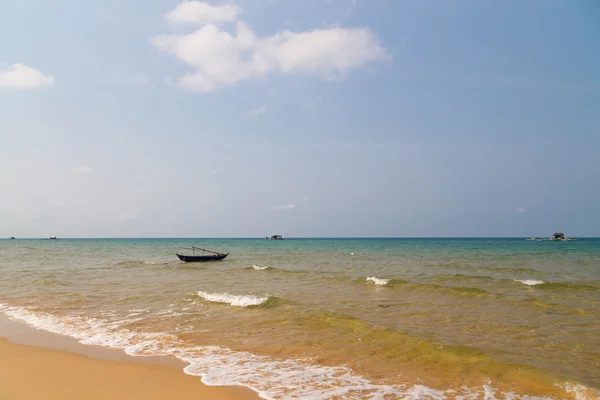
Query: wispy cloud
point(284, 207)
point(214, 171)
point(305, 198)
point(257, 111)
point(521, 210)
point(21, 76)
point(83, 170)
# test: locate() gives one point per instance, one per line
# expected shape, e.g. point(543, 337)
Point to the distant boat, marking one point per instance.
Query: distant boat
point(12, 237)
point(213, 256)
point(556, 237)
point(53, 237)
point(559, 237)
point(275, 237)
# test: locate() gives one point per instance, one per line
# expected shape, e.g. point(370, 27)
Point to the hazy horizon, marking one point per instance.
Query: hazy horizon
point(329, 118)
point(298, 237)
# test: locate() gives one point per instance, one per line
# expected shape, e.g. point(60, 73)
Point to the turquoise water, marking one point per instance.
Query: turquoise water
point(329, 318)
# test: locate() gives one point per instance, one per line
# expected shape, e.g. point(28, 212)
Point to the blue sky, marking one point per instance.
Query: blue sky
point(302, 118)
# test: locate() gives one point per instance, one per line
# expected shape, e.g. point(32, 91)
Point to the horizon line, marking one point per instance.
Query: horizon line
point(290, 237)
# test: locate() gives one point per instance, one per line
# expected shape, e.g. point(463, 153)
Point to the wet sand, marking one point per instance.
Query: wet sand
point(64, 369)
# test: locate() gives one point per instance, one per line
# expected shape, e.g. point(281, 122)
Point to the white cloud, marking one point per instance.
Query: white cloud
point(196, 12)
point(20, 76)
point(141, 80)
point(521, 210)
point(284, 207)
point(83, 170)
point(257, 111)
point(221, 58)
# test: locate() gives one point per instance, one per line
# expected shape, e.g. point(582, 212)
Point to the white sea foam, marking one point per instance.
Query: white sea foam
point(259, 267)
point(272, 379)
point(286, 379)
point(530, 282)
point(378, 281)
point(579, 391)
point(232, 299)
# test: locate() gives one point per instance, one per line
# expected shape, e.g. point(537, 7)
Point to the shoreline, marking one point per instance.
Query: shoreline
point(36, 363)
point(62, 368)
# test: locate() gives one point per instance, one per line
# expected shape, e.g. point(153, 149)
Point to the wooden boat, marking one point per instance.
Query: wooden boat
point(213, 256)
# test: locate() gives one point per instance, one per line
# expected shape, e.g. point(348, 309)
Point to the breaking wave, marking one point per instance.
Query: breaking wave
point(233, 300)
point(377, 281)
point(530, 282)
point(558, 285)
point(261, 267)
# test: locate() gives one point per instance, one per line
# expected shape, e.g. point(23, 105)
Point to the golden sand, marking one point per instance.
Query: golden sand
point(28, 372)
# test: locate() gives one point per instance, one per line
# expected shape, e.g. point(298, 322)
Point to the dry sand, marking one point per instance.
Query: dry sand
point(28, 372)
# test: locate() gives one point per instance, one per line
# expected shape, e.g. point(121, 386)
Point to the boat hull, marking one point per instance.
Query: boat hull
point(211, 257)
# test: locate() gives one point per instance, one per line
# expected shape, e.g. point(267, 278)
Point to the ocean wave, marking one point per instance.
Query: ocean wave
point(290, 379)
point(232, 299)
point(411, 285)
point(530, 282)
point(377, 281)
point(138, 263)
point(456, 290)
point(570, 286)
point(260, 267)
point(558, 285)
point(464, 276)
point(478, 268)
point(270, 378)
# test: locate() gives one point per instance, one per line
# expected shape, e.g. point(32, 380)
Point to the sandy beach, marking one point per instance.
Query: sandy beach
point(28, 371)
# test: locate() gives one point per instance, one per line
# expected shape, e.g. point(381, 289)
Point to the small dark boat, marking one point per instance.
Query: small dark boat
point(559, 237)
point(13, 238)
point(275, 237)
point(208, 257)
point(213, 256)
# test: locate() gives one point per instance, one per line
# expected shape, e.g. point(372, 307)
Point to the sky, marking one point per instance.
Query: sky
point(314, 118)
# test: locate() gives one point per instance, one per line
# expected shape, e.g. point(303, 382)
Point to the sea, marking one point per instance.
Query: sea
point(329, 318)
